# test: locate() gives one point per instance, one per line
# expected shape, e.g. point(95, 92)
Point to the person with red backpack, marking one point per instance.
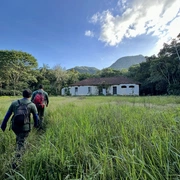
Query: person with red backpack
point(41, 100)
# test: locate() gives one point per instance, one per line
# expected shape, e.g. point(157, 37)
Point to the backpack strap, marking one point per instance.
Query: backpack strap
point(19, 101)
point(24, 104)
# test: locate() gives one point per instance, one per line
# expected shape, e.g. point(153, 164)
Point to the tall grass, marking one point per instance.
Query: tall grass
point(100, 138)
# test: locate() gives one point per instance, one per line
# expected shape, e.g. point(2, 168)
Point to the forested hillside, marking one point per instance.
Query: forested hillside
point(126, 62)
point(85, 69)
point(158, 75)
point(121, 63)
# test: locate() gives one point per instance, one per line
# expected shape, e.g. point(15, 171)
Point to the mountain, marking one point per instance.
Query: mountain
point(85, 69)
point(127, 61)
point(121, 63)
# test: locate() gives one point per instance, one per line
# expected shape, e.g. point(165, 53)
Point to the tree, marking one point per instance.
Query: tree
point(16, 68)
point(108, 72)
point(83, 76)
point(171, 50)
point(61, 78)
point(176, 46)
point(72, 76)
point(142, 73)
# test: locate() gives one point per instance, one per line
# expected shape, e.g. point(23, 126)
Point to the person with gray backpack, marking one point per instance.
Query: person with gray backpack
point(20, 121)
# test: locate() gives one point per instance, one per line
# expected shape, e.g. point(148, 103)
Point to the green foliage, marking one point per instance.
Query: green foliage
point(108, 72)
point(16, 68)
point(174, 89)
point(72, 76)
point(9, 92)
point(61, 77)
point(159, 75)
point(83, 76)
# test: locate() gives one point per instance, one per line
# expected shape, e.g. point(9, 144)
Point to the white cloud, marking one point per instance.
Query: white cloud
point(122, 3)
point(94, 18)
point(89, 33)
point(168, 34)
point(158, 18)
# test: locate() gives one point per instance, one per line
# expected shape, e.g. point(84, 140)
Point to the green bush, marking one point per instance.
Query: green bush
point(10, 92)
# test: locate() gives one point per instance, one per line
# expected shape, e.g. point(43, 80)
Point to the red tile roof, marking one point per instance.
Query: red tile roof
point(106, 80)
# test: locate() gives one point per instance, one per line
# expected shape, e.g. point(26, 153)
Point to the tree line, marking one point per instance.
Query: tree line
point(158, 75)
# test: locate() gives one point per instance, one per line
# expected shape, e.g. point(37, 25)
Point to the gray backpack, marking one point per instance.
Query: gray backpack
point(21, 116)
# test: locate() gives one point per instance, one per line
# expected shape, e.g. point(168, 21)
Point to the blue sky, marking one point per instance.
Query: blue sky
point(92, 33)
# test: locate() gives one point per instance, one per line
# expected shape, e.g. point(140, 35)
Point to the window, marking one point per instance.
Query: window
point(123, 87)
point(131, 86)
point(76, 89)
point(89, 90)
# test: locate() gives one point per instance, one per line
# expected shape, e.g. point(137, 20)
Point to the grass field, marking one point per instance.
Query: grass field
point(99, 138)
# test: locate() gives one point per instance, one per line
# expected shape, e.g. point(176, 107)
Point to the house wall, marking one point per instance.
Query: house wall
point(131, 89)
point(122, 89)
point(81, 90)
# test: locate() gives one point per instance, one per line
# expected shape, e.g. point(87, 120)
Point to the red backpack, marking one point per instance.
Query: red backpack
point(39, 100)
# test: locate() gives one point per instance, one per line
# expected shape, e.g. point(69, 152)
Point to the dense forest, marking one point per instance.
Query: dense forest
point(158, 75)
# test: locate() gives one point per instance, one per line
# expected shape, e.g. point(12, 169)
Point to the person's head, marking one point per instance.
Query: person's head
point(27, 93)
point(40, 86)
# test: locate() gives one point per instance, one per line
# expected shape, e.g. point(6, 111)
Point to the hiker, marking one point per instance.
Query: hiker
point(20, 121)
point(41, 100)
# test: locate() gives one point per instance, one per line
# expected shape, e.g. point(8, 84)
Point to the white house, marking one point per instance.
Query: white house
point(107, 86)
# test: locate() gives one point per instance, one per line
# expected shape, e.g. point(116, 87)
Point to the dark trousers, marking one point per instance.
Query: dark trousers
point(41, 116)
point(20, 147)
point(20, 142)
